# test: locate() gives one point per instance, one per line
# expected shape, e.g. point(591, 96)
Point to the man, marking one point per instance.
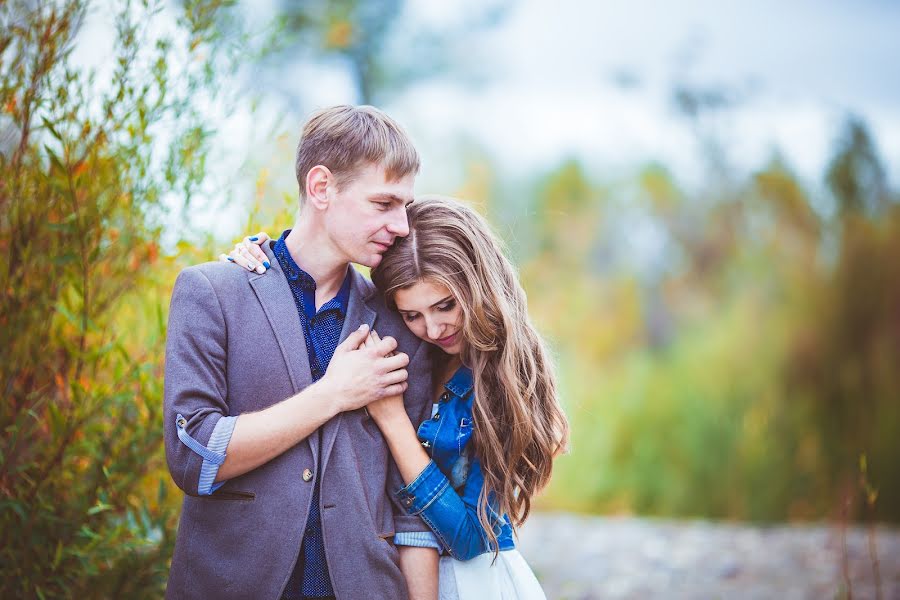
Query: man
point(287, 481)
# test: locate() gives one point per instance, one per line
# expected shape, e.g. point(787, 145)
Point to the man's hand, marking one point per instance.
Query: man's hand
point(359, 375)
point(390, 407)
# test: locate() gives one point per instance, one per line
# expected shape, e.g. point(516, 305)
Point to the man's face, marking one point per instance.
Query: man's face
point(366, 215)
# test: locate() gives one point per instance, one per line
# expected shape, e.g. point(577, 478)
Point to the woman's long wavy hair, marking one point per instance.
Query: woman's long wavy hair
point(519, 426)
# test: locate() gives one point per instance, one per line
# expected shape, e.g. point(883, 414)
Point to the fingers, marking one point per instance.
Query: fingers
point(240, 257)
point(249, 254)
point(398, 376)
point(377, 338)
point(371, 339)
point(253, 248)
point(386, 346)
point(395, 390)
point(259, 239)
point(398, 361)
point(248, 251)
point(354, 340)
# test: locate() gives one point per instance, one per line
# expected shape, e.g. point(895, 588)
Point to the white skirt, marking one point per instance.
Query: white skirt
point(510, 578)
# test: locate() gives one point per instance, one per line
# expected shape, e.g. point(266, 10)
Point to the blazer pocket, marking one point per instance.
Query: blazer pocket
point(231, 495)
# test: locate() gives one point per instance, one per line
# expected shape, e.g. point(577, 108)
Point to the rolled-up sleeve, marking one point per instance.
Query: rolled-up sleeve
point(423, 490)
point(419, 539)
point(195, 383)
point(452, 517)
point(218, 442)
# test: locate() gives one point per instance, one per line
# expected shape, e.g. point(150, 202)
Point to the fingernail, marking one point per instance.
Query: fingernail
point(363, 326)
point(266, 264)
point(230, 259)
point(254, 238)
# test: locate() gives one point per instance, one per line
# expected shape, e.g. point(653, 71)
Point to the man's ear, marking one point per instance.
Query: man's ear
point(318, 182)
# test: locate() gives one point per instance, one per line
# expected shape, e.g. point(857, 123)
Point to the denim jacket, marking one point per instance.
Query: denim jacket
point(445, 494)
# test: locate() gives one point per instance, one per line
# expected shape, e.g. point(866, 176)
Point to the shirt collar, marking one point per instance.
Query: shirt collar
point(461, 382)
point(343, 296)
point(304, 280)
point(291, 270)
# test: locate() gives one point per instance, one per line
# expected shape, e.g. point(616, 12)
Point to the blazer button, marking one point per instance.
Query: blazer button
point(445, 396)
point(437, 416)
point(307, 474)
point(408, 501)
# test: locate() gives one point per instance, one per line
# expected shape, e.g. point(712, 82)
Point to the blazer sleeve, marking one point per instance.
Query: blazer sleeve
point(195, 390)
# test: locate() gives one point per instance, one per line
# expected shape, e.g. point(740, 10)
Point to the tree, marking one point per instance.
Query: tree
point(84, 168)
point(855, 175)
point(380, 57)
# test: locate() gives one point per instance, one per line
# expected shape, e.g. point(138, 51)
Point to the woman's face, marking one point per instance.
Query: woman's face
point(433, 314)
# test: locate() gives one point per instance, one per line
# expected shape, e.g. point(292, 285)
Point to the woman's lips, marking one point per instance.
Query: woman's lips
point(447, 341)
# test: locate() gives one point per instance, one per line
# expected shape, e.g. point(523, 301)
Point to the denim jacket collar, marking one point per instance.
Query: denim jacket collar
point(461, 383)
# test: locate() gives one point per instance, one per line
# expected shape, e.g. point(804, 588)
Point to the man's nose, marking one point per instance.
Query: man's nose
point(399, 225)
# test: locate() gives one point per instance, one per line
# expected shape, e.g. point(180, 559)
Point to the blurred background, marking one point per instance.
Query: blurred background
point(701, 197)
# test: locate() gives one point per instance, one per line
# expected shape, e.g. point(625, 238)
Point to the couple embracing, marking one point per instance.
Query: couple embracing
point(339, 439)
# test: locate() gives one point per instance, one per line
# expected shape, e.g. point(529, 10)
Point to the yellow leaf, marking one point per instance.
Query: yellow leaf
point(339, 35)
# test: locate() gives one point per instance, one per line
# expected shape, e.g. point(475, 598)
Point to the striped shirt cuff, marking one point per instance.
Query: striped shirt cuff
point(218, 442)
point(419, 539)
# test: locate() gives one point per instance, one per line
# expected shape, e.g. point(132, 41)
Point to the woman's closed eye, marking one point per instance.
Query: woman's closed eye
point(447, 306)
point(410, 317)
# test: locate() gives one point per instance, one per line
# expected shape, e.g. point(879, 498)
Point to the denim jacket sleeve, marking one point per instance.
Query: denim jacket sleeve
point(452, 517)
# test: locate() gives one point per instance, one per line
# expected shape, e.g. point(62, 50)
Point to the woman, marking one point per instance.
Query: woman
point(473, 468)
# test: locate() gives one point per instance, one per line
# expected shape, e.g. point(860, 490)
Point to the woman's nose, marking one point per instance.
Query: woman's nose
point(434, 329)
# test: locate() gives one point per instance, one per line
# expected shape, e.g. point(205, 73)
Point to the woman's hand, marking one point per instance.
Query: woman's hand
point(386, 410)
point(248, 254)
point(398, 431)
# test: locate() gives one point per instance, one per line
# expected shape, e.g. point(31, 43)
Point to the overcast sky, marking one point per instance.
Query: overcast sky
point(594, 80)
point(799, 66)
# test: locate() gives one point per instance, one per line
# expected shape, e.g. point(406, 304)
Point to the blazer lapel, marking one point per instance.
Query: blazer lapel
point(358, 312)
point(275, 296)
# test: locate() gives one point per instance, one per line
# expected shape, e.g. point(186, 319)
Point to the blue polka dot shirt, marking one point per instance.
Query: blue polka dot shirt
point(322, 332)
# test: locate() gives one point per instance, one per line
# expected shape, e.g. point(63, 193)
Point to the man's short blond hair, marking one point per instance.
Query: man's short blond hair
point(346, 138)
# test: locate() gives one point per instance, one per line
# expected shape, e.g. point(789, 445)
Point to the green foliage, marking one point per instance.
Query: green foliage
point(740, 374)
point(743, 373)
point(85, 507)
point(781, 367)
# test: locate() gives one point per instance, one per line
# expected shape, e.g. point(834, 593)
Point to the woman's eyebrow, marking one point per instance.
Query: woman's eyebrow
point(441, 301)
point(402, 310)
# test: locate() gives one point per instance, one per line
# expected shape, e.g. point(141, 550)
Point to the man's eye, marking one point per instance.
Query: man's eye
point(383, 205)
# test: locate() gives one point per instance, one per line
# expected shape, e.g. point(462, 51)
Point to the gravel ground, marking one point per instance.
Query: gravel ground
point(584, 557)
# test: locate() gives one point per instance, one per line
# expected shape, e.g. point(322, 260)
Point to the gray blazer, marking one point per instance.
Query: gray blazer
point(235, 345)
